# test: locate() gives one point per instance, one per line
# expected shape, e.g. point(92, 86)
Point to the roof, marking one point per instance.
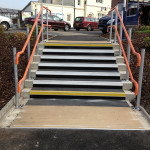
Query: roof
point(28, 5)
point(7, 10)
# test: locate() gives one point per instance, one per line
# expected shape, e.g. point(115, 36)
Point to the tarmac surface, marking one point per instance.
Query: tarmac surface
point(49, 139)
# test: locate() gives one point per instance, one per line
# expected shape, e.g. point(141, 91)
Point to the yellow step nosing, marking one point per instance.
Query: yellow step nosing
point(78, 93)
point(88, 45)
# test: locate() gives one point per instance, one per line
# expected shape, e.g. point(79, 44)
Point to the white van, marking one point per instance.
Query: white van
point(6, 22)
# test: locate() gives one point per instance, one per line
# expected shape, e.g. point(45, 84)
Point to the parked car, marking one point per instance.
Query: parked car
point(6, 22)
point(85, 23)
point(54, 21)
point(133, 16)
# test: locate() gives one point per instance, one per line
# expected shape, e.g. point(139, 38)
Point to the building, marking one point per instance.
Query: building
point(69, 9)
point(115, 2)
point(11, 13)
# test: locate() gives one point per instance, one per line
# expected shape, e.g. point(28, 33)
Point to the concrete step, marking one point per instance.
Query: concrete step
point(84, 52)
point(77, 102)
point(78, 58)
point(61, 83)
point(83, 66)
point(78, 74)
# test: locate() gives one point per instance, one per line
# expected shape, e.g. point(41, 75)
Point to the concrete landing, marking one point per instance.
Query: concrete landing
point(77, 117)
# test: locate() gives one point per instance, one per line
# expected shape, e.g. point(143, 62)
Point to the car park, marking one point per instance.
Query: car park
point(6, 22)
point(54, 21)
point(87, 23)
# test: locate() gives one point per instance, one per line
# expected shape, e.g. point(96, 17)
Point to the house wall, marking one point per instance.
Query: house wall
point(90, 8)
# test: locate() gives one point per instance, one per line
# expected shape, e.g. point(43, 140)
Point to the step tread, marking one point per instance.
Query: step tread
point(77, 51)
point(81, 73)
point(78, 102)
point(76, 89)
point(80, 65)
point(78, 57)
point(69, 82)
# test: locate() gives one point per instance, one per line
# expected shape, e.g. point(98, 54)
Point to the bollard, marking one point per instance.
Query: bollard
point(47, 22)
point(129, 52)
point(111, 27)
point(116, 24)
point(120, 51)
point(42, 21)
point(140, 79)
point(16, 79)
point(37, 52)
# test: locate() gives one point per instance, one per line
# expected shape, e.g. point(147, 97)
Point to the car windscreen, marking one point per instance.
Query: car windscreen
point(79, 19)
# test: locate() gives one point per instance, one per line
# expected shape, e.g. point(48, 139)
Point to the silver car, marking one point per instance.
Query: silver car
point(6, 22)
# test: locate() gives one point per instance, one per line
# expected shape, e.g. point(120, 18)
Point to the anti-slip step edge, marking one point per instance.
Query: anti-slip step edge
point(78, 102)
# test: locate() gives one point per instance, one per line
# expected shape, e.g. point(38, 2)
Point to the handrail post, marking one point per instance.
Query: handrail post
point(129, 52)
point(47, 22)
point(120, 51)
point(37, 52)
point(16, 79)
point(28, 51)
point(42, 21)
point(111, 27)
point(116, 24)
point(140, 79)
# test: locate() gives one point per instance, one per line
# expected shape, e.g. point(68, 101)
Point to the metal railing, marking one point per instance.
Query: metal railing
point(27, 68)
point(140, 62)
point(27, 45)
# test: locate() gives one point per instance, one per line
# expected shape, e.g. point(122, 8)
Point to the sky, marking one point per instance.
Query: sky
point(14, 4)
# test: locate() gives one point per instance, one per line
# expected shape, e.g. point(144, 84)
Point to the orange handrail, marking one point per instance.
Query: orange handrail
point(27, 68)
point(125, 57)
point(128, 38)
point(27, 41)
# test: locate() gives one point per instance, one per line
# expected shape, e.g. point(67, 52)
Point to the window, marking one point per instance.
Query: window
point(68, 17)
point(56, 18)
point(79, 2)
point(87, 19)
point(99, 1)
point(44, 1)
point(79, 19)
point(51, 2)
point(132, 10)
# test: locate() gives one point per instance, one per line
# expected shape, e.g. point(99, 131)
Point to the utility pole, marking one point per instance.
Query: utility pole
point(74, 9)
point(62, 9)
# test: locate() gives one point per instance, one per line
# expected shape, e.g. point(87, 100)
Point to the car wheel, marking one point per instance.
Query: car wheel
point(56, 29)
point(66, 28)
point(5, 25)
point(89, 28)
point(77, 29)
point(104, 31)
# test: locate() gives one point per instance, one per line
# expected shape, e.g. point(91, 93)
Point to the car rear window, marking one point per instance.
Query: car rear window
point(79, 19)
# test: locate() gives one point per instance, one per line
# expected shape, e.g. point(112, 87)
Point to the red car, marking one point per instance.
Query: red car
point(54, 21)
point(85, 23)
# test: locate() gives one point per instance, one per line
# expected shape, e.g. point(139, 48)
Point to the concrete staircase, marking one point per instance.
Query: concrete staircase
point(80, 73)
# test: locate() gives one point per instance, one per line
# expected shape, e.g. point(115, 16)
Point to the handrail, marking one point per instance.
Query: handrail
point(128, 38)
point(27, 41)
point(125, 57)
point(27, 68)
